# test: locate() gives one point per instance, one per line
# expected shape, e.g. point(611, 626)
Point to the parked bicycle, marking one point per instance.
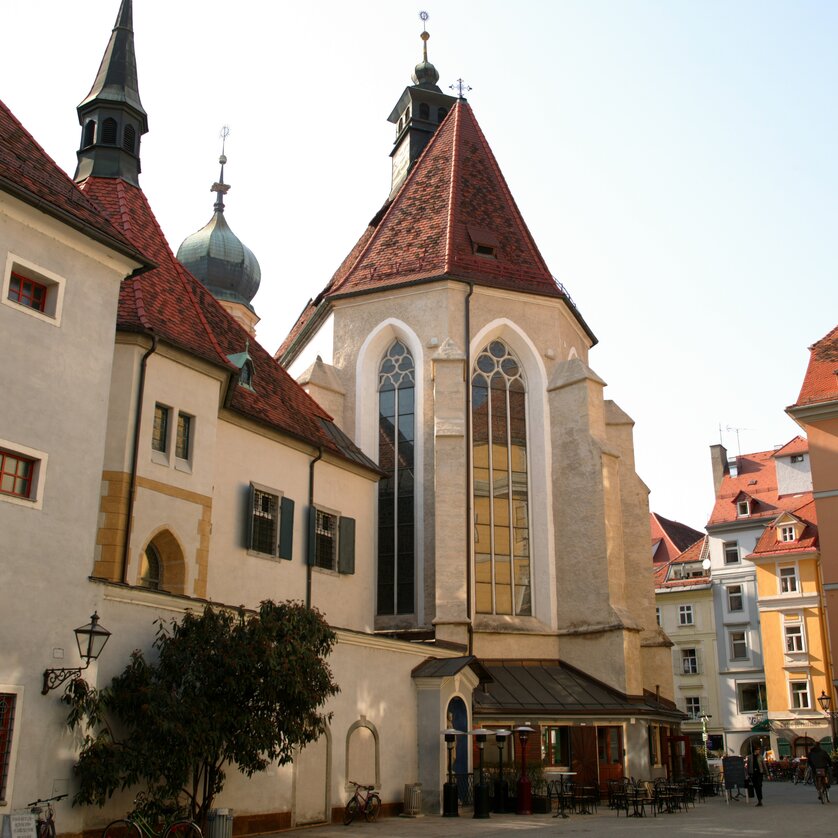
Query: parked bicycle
point(45, 823)
point(148, 820)
point(366, 800)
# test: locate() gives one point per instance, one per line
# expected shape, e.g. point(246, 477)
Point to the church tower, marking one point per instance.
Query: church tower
point(111, 116)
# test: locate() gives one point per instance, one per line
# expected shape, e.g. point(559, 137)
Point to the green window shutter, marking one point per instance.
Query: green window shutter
point(248, 517)
point(286, 528)
point(346, 545)
point(312, 519)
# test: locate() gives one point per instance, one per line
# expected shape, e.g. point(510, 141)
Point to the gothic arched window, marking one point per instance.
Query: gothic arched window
point(396, 433)
point(89, 133)
point(109, 131)
point(501, 497)
point(129, 138)
point(151, 568)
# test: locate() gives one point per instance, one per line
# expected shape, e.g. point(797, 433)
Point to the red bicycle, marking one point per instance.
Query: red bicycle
point(364, 800)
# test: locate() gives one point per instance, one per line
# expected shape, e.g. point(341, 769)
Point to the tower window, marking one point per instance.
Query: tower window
point(129, 139)
point(109, 131)
point(424, 111)
point(440, 114)
point(89, 133)
point(484, 250)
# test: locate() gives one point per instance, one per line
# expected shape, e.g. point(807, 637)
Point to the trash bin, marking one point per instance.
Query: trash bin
point(412, 800)
point(220, 823)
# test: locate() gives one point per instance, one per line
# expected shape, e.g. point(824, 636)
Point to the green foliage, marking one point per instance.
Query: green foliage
point(699, 762)
point(224, 690)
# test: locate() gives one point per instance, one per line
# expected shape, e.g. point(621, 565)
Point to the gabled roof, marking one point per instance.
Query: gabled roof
point(454, 199)
point(756, 479)
point(173, 305)
point(820, 383)
point(798, 445)
point(669, 538)
point(695, 553)
point(769, 545)
point(31, 175)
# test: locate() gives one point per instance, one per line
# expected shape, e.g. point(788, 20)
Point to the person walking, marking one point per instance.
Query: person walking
point(756, 764)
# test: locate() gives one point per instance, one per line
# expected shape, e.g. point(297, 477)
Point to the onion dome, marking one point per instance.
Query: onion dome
point(425, 75)
point(218, 258)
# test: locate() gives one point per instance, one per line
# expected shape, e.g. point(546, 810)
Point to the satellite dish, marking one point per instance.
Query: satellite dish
point(706, 564)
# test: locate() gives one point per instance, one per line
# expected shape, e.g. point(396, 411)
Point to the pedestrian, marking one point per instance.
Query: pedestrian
point(820, 763)
point(756, 765)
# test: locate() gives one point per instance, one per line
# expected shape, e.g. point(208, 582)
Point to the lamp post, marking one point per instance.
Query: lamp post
point(91, 639)
point(704, 717)
point(481, 787)
point(450, 797)
point(501, 785)
point(524, 806)
point(825, 702)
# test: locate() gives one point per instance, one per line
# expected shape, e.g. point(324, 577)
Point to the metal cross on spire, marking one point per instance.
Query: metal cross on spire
point(461, 87)
point(220, 187)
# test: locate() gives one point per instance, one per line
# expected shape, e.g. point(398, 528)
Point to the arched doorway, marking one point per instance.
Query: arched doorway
point(761, 740)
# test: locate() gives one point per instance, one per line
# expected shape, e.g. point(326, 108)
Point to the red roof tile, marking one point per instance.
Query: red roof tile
point(798, 445)
point(821, 381)
point(170, 303)
point(696, 552)
point(30, 174)
point(756, 479)
point(672, 537)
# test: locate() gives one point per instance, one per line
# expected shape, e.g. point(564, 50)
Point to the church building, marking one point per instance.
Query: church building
point(428, 459)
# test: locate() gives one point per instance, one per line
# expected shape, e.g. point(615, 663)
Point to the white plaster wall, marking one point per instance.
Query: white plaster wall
point(793, 478)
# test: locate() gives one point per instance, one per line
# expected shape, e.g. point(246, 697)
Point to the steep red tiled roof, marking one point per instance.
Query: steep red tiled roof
point(770, 545)
point(170, 303)
point(672, 537)
point(696, 552)
point(821, 381)
point(30, 174)
point(454, 198)
point(756, 479)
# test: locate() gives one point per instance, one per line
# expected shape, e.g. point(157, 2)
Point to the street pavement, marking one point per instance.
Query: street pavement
point(790, 811)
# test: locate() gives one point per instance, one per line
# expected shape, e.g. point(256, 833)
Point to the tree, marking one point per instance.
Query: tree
point(225, 689)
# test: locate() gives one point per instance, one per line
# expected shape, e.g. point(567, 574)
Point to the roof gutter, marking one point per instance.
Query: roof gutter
point(311, 533)
point(469, 501)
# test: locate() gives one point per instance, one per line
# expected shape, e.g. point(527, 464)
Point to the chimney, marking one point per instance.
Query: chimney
point(718, 460)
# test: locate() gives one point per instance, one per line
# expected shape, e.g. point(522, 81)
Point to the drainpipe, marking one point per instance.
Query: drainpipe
point(138, 412)
point(311, 535)
point(469, 502)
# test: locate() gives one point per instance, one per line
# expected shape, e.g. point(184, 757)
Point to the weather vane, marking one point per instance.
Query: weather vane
point(460, 86)
point(220, 187)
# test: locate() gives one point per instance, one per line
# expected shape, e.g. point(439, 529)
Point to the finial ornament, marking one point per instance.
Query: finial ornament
point(423, 16)
point(461, 87)
point(220, 187)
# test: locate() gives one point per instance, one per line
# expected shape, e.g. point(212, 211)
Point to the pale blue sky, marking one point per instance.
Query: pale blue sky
point(675, 162)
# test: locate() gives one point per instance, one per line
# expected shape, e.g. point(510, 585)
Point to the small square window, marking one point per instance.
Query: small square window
point(183, 436)
point(738, 646)
point(33, 290)
point(743, 508)
point(16, 475)
point(693, 706)
point(734, 598)
point(797, 458)
point(787, 533)
point(27, 292)
point(160, 431)
point(685, 615)
point(788, 580)
point(800, 695)
point(731, 549)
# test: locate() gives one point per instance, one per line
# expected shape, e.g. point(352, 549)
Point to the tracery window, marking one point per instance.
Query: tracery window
point(396, 432)
point(501, 497)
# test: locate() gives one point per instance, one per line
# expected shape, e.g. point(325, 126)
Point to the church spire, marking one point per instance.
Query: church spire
point(418, 113)
point(111, 115)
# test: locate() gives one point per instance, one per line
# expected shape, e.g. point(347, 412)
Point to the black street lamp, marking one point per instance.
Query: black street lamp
point(826, 705)
point(481, 787)
point(91, 639)
point(450, 796)
point(501, 785)
point(524, 785)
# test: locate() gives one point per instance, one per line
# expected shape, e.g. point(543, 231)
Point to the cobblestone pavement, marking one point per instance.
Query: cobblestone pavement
point(789, 810)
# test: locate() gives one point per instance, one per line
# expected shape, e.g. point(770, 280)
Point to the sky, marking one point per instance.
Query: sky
point(674, 160)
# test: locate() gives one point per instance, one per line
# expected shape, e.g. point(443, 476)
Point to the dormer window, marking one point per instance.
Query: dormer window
point(246, 375)
point(788, 533)
point(743, 509)
point(483, 242)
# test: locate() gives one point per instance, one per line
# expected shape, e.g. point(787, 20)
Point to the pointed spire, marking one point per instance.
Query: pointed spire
point(111, 115)
point(219, 186)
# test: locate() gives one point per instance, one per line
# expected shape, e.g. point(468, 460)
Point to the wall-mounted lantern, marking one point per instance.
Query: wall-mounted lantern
point(91, 639)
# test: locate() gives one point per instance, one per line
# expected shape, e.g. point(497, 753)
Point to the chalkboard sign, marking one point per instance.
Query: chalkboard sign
point(734, 770)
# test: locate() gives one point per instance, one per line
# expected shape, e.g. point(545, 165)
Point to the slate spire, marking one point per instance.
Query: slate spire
point(111, 115)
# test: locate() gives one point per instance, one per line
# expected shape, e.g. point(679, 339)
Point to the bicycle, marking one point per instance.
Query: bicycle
point(822, 784)
point(369, 804)
point(143, 820)
point(45, 824)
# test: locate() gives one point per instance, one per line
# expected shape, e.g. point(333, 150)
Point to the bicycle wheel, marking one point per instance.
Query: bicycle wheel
point(183, 829)
point(121, 829)
point(350, 811)
point(372, 808)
